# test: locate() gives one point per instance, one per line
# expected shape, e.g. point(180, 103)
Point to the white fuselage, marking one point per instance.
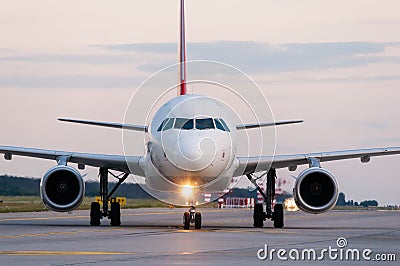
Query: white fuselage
point(191, 142)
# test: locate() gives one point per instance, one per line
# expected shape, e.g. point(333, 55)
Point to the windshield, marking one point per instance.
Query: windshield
point(219, 125)
point(206, 123)
point(166, 124)
point(188, 124)
point(224, 124)
point(183, 123)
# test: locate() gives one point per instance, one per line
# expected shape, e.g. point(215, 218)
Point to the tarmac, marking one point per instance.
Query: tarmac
point(155, 236)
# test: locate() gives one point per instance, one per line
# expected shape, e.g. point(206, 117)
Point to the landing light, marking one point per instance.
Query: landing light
point(187, 191)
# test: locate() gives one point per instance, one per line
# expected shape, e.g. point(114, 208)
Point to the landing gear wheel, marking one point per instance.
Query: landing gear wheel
point(186, 220)
point(278, 216)
point(115, 214)
point(258, 215)
point(95, 214)
point(197, 220)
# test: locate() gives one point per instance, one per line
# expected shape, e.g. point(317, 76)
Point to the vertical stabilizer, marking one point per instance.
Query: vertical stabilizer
point(182, 51)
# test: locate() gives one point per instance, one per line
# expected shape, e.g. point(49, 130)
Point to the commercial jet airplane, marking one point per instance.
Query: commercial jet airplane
point(191, 142)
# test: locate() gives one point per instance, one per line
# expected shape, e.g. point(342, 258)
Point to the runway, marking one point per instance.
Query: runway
point(155, 236)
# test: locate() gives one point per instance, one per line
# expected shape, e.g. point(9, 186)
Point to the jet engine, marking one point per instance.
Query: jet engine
point(62, 188)
point(316, 190)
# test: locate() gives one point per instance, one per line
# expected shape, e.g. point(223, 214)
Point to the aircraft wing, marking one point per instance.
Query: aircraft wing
point(106, 124)
point(249, 165)
point(271, 124)
point(112, 162)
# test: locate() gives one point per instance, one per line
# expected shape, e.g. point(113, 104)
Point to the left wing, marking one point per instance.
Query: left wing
point(248, 165)
point(106, 124)
point(112, 162)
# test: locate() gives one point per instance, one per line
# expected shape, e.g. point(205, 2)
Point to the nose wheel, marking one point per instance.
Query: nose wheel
point(192, 217)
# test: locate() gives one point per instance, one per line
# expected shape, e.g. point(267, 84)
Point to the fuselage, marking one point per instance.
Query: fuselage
point(191, 142)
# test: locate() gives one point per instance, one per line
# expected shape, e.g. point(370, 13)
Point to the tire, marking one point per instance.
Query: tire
point(186, 220)
point(197, 220)
point(115, 214)
point(259, 215)
point(278, 216)
point(95, 214)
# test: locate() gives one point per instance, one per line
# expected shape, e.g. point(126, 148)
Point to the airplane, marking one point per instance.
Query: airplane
point(191, 142)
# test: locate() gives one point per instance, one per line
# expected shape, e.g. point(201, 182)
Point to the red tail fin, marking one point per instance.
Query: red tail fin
point(182, 52)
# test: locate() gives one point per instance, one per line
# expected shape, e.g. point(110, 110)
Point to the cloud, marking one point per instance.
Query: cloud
point(69, 81)
point(70, 58)
point(109, 66)
point(263, 57)
point(253, 56)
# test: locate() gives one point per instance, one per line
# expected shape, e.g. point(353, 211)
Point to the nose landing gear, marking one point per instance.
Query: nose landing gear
point(191, 217)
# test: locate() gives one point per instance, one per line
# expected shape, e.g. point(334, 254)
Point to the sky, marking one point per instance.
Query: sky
point(335, 64)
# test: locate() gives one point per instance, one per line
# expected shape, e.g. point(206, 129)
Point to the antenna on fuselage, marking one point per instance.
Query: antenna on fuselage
point(182, 52)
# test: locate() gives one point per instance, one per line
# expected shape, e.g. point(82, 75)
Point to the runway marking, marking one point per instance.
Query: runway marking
point(165, 212)
point(81, 216)
point(97, 253)
point(147, 213)
point(87, 216)
point(42, 218)
point(71, 217)
point(59, 233)
point(62, 253)
point(251, 230)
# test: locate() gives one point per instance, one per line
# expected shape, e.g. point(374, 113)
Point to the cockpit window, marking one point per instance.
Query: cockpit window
point(188, 124)
point(183, 123)
point(162, 124)
point(219, 125)
point(224, 124)
point(169, 124)
point(166, 124)
point(206, 123)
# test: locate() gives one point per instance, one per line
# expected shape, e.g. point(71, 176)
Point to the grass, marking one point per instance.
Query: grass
point(21, 204)
point(35, 204)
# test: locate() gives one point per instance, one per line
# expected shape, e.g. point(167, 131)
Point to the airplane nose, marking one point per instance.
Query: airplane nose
point(189, 149)
point(194, 153)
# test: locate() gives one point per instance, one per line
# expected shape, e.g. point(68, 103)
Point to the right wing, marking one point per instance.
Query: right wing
point(248, 165)
point(126, 164)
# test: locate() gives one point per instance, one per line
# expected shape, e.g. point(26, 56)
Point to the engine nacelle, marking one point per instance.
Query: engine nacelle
point(316, 190)
point(62, 188)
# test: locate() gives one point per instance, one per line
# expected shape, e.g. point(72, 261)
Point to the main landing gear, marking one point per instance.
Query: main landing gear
point(98, 212)
point(192, 217)
point(264, 211)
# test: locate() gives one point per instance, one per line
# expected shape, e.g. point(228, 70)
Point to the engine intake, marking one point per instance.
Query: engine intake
point(316, 190)
point(62, 188)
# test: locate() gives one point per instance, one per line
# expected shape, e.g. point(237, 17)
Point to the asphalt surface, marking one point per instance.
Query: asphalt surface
point(155, 236)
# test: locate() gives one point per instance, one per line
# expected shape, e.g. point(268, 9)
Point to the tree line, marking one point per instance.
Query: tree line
point(23, 186)
point(366, 203)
